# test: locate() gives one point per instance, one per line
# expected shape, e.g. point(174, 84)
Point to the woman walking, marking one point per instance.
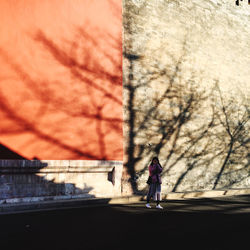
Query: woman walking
point(154, 182)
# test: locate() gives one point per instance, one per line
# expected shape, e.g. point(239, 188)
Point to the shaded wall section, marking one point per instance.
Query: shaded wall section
point(61, 79)
point(35, 180)
point(6, 153)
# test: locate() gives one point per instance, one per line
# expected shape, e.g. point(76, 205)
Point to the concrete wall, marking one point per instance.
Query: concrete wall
point(24, 181)
point(187, 92)
point(61, 79)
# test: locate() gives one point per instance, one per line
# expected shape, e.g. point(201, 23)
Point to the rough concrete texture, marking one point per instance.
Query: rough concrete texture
point(186, 92)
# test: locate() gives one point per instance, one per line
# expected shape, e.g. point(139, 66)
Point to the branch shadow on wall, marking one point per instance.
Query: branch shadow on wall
point(162, 122)
point(73, 107)
point(170, 114)
point(184, 125)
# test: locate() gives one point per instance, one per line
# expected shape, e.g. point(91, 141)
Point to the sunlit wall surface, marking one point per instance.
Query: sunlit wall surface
point(61, 79)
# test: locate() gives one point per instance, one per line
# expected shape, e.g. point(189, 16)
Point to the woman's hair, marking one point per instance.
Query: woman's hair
point(155, 158)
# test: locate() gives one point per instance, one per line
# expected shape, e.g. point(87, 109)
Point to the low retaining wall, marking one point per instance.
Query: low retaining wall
point(25, 180)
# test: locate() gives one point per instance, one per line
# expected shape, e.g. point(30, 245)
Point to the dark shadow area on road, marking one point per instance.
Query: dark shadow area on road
point(129, 227)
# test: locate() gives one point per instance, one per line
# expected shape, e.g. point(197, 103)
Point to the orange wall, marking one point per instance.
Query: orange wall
point(61, 78)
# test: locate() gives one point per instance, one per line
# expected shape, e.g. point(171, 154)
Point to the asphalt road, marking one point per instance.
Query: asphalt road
point(214, 224)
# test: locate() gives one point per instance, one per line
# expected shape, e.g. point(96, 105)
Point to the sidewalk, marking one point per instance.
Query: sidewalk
point(55, 204)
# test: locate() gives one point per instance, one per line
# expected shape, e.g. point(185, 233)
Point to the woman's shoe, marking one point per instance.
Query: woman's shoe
point(159, 206)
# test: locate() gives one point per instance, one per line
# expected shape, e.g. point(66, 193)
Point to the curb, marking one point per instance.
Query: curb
point(205, 194)
point(58, 204)
point(47, 205)
point(50, 205)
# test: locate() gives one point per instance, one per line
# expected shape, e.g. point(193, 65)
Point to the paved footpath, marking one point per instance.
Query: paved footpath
point(214, 224)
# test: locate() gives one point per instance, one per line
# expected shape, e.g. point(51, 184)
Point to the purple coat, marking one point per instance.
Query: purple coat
point(154, 172)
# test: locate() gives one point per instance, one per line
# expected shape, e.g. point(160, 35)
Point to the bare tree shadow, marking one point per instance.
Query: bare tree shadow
point(201, 137)
point(232, 116)
point(77, 113)
point(163, 123)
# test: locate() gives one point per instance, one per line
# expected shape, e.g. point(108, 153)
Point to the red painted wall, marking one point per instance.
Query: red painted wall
point(61, 78)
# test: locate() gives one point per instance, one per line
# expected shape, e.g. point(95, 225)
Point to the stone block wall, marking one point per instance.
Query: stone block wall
point(24, 180)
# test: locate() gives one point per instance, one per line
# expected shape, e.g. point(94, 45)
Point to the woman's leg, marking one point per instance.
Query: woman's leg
point(149, 195)
point(158, 198)
point(148, 199)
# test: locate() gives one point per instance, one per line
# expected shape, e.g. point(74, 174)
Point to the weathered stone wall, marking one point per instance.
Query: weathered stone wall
point(24, 180)
point(186, 91)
